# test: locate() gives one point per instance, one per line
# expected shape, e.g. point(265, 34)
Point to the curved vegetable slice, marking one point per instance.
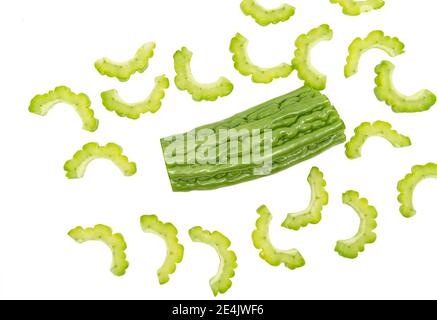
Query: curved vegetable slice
point(114, 241)
point(375, 40)
point(385, 91)
point(246, 67)
point(76, 167)
point(42, 103)
point(407, 185)
point(377, 129)
point(112, 101)
point(264, 16)
point(221, 282)
point(302, 57)
point(313, 213)
point(292, 259)
point(365, 235)
point(175, 251)
point(357, 7)
point(185, 80)
point(123, 70)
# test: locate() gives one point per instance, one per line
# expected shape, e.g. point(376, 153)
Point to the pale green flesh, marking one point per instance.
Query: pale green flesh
point(246, 67)
point(377, 129)
point(357, 7)
point(115, 242)
point(113, 102)
point(124, 70)
point(175, 251)
point(292, 258)
point(264, 16)
point(221, 282)
point(375, 40)
point(407, 185)
point(76, 167)
point(42, 103)
point(302, 56)
point(350, 248)
point(385, 91)
point(313, 213)
point(185, 80)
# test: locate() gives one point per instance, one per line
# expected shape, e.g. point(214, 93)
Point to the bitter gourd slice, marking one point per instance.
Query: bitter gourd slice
point(407, 185)
point(246, 67)
point(302, 56)
point(76, 167)
point(352, 247)
point(377, 129)
point(114, 241)
point(313, 213)
point(357, 7)
point(297, 126)
point(292, 259)
point(375, 40)
point(42, 103)
point(264, 16)
point(221, 282)
point(385, 91)
point(185, 80)
point(124, 70)
point(112, 101)
point(175, 251)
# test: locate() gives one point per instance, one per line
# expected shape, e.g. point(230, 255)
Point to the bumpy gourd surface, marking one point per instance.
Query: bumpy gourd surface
point(175, 251)
point(246, 67)
point(302, 56)
point(185, 80)
point(264, 16)
point(292, 259)
point(375, 40)
point(42, 103)
point(313, 213)
point(352, 247)
point(221, 282)
point(357, 7)
point(407, 185)
point(114, 241)
point(123, 70)
point(377, 129)
point(76, 167)
point(386, 91)
point(112, 101)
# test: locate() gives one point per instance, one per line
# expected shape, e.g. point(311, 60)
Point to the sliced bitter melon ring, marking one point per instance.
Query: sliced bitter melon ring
point(302, 56)
point(313, 213)
point(246, 67)
point(292, 259)
point(76, 167)
point(385, 91)
point(352, 247)
point(185, 80)
point(264, 16)
point(42, 103)
point(375, 40)
point(221, 282)
point(175, 251)
point(377, 129)
point(113, 102)
point(407, 185)
point(357, 7)
point(114, 241)
point(123, 70)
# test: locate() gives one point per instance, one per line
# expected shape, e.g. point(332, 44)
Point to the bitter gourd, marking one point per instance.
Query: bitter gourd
point(291, 128)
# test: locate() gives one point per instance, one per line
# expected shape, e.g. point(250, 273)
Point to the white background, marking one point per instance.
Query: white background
point(48, 43)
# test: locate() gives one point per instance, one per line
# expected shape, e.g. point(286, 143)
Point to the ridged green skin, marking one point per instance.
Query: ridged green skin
point(303, 124)
point(357, 7)
point(175, 251)
point(264, 16)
